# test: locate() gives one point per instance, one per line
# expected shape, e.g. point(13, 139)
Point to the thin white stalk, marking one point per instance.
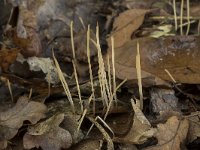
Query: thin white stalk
point(105, 124)
point(102, 74)
point(139, 75)
point(113, 68)
point(72, 40)
point(181, 16)
point(188, 17)
point(169, 74)
point(74, 65)
point(199, 28)
point(10, 90)
point(90, 67)
point(49, 83)
point(175, 15)
point(109, 73)
point(30, 93)
point(110, 145)
point(81, 20)
point(112, 96)
point(77, 85)
point(64, 83)
point(83, 114)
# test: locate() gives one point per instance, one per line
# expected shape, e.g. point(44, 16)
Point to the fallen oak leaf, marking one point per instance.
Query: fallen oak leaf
point(12, 119)
point(125, 24)
point(48, 135)
point(171, 134)
point(178, 54)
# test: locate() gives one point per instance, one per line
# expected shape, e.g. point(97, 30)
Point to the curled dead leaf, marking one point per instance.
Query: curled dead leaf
point(140, 130)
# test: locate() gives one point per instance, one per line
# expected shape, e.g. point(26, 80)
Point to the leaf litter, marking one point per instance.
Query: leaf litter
point(12, 119)
point(145, 50)
point(48, 135)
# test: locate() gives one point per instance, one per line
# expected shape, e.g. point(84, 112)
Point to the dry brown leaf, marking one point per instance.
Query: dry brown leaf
point(125, 24)
point(7, 57)
point(141, 129)
point(26, 35)
point(195, 9)
point(130, 4)
point(171, 134)
point(178, 54)
point(48, 135)
point(12, 119)
point(194, 129)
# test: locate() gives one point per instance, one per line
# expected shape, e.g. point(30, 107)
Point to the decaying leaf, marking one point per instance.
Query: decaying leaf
point(71, 123)
point(163, 100)
point(178, 54)
point(194, 129)
point(127, 147)
point(45, 65)
point(120, 124)
point(26, 35)
point(171, 134)
point(7, 57)
point(3, 144)
point(46, 23)
point(12, 119)
point(125, 24)
point(88, 144)
point(146, 4)
point(140, 130)
point(48, 135)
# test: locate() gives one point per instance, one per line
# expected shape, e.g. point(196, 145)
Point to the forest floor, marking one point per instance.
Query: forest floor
point(97, 74)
